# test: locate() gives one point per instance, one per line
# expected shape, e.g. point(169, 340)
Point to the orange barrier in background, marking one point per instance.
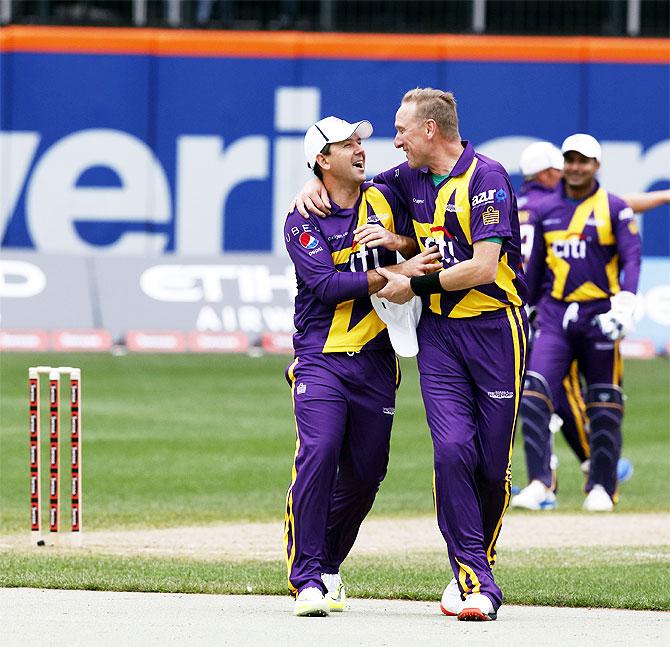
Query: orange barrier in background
point(262, 44)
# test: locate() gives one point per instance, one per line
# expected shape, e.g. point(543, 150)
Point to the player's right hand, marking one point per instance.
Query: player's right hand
point(312, 199)
point(427, 262)
point(618, 322)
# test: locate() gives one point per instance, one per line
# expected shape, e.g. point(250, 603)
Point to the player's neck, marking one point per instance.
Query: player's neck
point(344, 195)
point(579, 193)
point(445, 157)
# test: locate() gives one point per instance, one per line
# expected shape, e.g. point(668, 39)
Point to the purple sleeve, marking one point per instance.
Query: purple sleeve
point(313, 261)
point(628, 242)
point(536, 266)
point(492, 203)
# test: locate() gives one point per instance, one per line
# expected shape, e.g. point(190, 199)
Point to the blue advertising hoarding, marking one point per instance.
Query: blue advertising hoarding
point(145, 152)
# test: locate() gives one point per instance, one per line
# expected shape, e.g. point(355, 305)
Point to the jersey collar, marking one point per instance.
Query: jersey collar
point(463, 162)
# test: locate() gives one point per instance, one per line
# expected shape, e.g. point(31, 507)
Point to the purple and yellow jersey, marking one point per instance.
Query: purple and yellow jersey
point(529, 200)
point(582, 247)
point(333, 312)
point(474, 202)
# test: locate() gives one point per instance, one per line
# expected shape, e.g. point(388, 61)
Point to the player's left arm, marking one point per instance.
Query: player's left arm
point(629, 246)
point(641, 202)
point(618, 320)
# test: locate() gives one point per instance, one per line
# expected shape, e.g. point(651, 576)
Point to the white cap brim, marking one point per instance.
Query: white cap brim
point(401, 321)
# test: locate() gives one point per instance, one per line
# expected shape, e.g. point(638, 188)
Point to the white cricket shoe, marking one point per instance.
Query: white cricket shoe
point(598, 500)
point(535, 496)
point(477, 607)
point(336, 596)
point(311, 602)
point(451, 602)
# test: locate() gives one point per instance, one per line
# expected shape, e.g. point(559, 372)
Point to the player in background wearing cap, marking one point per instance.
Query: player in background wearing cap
point(584, 239)
point(541, 164)
point(345, 374)
point(472, 333)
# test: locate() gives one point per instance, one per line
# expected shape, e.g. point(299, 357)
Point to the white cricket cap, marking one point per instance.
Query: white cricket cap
point(331, 130)
point(540, 156)
point(401, 320)
point(587, 145)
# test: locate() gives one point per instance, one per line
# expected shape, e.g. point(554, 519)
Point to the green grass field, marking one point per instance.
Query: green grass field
point(193, 439)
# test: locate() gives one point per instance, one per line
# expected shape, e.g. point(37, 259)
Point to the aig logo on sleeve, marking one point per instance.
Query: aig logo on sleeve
point(483, 197)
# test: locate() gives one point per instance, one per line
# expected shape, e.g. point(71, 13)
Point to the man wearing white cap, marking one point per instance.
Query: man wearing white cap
point(541, 164)
point(582, 275)
point(345, 374)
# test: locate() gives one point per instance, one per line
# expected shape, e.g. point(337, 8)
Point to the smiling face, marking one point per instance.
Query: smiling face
point(411, 135)
point(345, 162)
point(579, 171)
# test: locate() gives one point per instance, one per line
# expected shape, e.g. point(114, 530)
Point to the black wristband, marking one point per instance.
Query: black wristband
point(427, 284)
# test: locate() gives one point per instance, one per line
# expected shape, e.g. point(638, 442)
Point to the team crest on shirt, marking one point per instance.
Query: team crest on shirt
point(307, 240)
point(501, 195)
point(491, 216)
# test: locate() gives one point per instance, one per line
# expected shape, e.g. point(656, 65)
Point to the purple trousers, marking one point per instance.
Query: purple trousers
point(344, 406)
point(567, 333)
point(471, 378)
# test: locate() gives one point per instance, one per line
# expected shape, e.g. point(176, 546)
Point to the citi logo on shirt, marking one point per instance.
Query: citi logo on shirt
point(308, 241)
point(572, 248)
point(483, 197)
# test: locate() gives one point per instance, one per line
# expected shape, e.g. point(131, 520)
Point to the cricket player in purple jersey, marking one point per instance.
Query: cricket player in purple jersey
point(541, 164)
point(584, 240)
point(345, 373)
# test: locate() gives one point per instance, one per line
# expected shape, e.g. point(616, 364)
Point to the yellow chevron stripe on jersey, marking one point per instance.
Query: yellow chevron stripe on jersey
point(612, 272)
point(559, 268)
point(458, 188)
point(341, 339)
point(473, 304)
point(504, 280)
point(598, 205)
point(380, 207)
point(587, 291)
